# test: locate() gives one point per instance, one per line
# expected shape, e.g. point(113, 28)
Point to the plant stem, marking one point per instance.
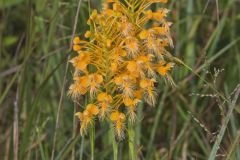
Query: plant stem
point(131, 141)
point(114, 143)
point(92, 140)
point(74, 132)
point(138, 123)
point(81, 149)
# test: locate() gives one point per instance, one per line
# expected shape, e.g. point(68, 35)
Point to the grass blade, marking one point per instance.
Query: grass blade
point(224, 126)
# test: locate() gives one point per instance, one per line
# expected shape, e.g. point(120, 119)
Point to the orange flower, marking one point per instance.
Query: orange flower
point(88, 34)
point(87, 116)
point(79, 87)
point(81, 62)
point(104, 101)
point(76, 40)
point(132, 45)
point(147, 86)
point(118, 118)
point(94, 81)
point(131, 106)
point(162, 67)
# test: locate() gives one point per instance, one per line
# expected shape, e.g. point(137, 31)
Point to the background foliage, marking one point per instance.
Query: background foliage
point(188, 120)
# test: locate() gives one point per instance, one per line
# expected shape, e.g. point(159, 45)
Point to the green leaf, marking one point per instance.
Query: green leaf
point(10, 40)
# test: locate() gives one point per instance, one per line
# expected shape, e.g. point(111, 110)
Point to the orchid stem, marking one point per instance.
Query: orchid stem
point(92, 140)
point(114, 142)
point(131, 141)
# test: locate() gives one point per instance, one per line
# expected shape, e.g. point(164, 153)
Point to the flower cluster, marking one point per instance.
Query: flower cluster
point(118, 64)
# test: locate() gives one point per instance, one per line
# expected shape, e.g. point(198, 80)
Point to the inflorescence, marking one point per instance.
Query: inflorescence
point(118, 64)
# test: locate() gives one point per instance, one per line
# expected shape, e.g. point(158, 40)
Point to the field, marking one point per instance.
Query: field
point(198, 118)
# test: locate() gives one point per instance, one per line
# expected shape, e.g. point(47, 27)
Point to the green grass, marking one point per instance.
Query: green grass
point(37, 118)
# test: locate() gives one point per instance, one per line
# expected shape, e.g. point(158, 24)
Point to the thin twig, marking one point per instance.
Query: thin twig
point(206, 6)
point(64, 81)
point(10, 71)
point(8, 141)
point(75, 24)
point(217, 6)
point(15, 128)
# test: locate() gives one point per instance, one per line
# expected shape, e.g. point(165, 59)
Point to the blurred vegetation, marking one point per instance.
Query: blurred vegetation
point(189, 119)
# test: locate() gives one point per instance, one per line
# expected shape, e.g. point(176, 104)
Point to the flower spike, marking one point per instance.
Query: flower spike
point(119, 62)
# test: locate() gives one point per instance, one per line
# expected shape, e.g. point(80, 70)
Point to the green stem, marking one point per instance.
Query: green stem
point(114, 143)
point(81, 149)
point(138, 123)
point(92, 140)
point(131, 141)
point(74, 132)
